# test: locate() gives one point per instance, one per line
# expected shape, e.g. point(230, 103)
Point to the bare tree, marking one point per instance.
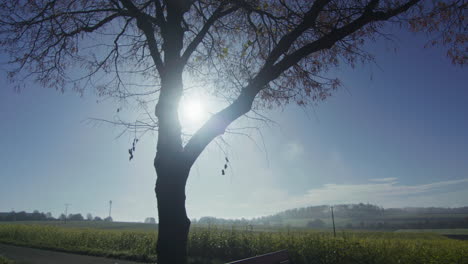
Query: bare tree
point(254, 53)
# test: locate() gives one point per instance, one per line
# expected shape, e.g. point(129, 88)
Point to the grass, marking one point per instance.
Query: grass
point(135, 245)
point(4, 260)
point(222, 245)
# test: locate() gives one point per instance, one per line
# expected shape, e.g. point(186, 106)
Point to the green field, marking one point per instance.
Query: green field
point(92, 224)
point(217, 245)
point(455, 231)
point(4, 260)
point(342, 222)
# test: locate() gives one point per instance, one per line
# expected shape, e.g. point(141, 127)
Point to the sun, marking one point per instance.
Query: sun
point(193, 110)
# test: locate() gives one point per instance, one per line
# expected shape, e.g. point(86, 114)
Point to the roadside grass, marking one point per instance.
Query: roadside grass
point(218, 245)
point(130, 226)
point(4, 260)
point(132, 245)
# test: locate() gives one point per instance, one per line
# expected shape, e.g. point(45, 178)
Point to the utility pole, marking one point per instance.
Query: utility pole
point(333, 220)
point(110, 208)
point(66, 211)
point(13, 213)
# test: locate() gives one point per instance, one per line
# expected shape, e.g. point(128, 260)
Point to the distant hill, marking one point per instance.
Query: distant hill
point(357, 216)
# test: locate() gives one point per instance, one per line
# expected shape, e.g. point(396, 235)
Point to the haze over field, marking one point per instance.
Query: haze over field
point(396, 136)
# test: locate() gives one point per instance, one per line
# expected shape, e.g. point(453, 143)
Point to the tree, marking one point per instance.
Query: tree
point(62, 217)
point(97, 218)
point(254, 53)
point(49, 216)
point(37, 216)
point(75, 217)
point(108, 219)
point(89, 217)
point(150, 220)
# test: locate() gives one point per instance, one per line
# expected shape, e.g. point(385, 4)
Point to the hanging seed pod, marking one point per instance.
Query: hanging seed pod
point(130, 151)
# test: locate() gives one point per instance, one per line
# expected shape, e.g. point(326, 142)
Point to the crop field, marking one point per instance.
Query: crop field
point(92, 224)
point(217, 245)
point(4, 260)
point(454, 231)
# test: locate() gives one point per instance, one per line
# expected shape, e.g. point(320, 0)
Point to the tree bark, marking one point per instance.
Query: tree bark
point(173, 221)
point(172, 171)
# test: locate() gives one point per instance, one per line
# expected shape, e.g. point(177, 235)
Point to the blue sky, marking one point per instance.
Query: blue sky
point(395, 135)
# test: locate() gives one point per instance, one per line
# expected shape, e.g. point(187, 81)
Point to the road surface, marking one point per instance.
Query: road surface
point(24, 255)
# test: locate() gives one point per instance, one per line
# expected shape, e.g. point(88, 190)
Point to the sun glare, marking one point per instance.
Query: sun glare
point(193, 111)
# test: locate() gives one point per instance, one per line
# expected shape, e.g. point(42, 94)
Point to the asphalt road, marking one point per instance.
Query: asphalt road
point(24, 255)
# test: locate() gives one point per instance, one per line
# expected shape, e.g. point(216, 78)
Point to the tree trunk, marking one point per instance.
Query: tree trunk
point(174, 224)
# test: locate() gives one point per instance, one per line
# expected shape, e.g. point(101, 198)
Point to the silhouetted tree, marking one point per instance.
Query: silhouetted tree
point(255, 53)
point(150, 220)
point(49, 216)
point(62, 217)
point(37, 216)
point(108, 219)
point(89, 217)
point(97, 218)
point(75, 217)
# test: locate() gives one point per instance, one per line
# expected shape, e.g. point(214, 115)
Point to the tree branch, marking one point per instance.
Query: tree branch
point(286, 41)
point(336, 35)
point(159, 14)
point(93, 27)
point(218, 123)
point(143, 23)
point(218, 13)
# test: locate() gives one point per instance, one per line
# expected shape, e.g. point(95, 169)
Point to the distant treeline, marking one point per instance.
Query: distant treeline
point(419, 223)
point(40, 216)
point(362, 211)
point(357, 216)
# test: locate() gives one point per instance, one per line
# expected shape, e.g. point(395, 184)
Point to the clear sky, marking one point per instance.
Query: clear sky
point(396, 135)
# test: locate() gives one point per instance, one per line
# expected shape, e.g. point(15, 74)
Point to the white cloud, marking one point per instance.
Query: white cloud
point(386, 192)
